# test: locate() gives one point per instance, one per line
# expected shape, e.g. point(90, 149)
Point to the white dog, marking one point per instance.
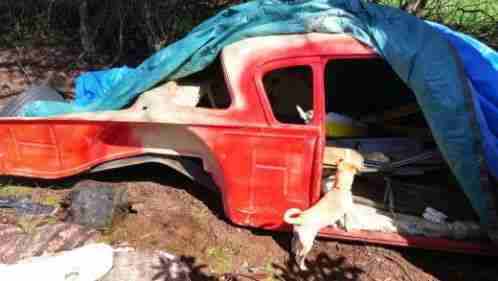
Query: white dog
point(333, 206)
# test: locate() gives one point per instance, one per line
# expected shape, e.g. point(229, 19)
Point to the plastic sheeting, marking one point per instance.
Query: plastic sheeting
point(419, 54)
point(94, 85)
point(481, 66)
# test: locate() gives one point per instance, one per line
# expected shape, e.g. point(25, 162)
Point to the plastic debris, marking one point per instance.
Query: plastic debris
point(25, 206)
point(17, 244)
point(88, 263)
point(434, 215)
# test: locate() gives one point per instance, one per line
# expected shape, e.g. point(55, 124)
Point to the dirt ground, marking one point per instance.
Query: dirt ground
point(24, 66)
point(175, 215)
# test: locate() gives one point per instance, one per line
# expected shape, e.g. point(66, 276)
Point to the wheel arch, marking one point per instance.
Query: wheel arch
point(187, 166)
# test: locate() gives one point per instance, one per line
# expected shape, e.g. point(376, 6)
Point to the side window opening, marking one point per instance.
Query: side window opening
point(360, 91)
point(290, 93)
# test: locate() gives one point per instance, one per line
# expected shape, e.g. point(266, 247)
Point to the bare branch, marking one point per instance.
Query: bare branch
point(21, 66)
point(415, 7)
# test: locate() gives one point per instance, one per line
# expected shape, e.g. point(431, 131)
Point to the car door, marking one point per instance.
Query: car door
point(275, 165)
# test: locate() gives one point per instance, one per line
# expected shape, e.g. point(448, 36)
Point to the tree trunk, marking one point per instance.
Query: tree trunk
point(86, 38)
point(153, 41)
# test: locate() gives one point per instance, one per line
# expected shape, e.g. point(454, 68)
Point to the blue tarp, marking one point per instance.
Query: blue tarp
point(94, 85)
point(481, 66)
point(418, 53)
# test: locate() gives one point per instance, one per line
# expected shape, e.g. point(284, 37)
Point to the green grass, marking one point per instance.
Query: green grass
point(24, 191)
point(15, 191)
point(221, 259)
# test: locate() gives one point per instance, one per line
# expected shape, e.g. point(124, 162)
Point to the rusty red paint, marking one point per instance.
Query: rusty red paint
point(429, 243)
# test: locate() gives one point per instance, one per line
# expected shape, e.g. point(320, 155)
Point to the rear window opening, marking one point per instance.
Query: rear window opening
point(371, 110)
point(214, 92)
point(203, 89)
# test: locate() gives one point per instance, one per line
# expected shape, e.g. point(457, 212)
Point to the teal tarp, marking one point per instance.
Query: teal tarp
point(418, 54)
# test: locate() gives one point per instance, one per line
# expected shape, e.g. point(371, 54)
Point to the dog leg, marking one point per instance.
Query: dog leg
point(295, 244)
point(302, 251)
point(297, 248)
point(303, 243)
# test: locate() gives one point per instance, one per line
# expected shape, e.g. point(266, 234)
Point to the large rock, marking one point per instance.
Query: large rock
point(17, 244)
point(96, 204)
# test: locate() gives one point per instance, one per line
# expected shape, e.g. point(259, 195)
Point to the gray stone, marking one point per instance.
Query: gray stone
point(97, 205)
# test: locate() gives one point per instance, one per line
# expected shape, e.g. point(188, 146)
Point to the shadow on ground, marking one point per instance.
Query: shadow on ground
point(322, 267)
point(453, 266)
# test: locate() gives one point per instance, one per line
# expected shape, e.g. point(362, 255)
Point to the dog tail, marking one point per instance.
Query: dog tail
point(293, 216)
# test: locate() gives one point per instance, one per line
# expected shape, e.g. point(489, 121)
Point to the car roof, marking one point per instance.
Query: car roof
point(295, 45)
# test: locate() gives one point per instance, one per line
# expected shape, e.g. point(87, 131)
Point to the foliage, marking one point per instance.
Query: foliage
point(476, 17)
point(104, 29)
point(127, 31)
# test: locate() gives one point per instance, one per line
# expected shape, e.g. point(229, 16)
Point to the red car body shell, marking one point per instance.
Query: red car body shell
point(262, 167)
